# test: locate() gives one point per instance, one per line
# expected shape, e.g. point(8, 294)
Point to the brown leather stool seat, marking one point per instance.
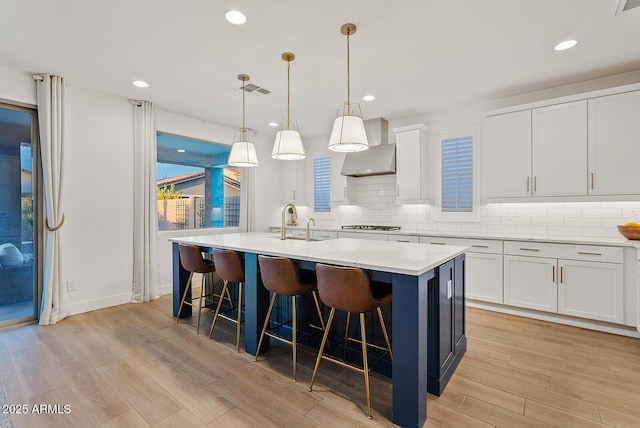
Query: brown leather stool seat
point(349, 289)
point(229, 268)
point(280, 276)
point(193, 262)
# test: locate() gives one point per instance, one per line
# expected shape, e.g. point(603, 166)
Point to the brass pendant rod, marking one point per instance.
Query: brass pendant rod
point(243, 94)
point(348, 73)
point(288, 92)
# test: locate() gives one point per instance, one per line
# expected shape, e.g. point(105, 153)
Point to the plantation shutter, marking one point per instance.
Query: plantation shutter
point(321, 184)
point(457, 174)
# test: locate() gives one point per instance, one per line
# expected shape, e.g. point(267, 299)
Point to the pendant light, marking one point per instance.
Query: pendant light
point(288, 144)
point(348, 133)
point(243, 151)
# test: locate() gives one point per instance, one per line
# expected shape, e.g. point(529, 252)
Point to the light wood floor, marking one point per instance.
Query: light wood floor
point(132, 366)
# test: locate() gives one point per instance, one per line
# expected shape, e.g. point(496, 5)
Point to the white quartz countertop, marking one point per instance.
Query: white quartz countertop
point(386, 256)
point(616, 241)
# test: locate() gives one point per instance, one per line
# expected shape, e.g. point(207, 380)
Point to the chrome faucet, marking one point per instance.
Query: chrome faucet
point(283, 231)
point(311, 219)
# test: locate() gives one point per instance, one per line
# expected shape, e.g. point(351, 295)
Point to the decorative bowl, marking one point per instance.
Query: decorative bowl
point(629, 232)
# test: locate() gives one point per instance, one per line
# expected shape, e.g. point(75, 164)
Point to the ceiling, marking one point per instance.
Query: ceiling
point(415, 56)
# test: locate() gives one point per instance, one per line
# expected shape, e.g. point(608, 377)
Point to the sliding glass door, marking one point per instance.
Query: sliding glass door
point(18, 230)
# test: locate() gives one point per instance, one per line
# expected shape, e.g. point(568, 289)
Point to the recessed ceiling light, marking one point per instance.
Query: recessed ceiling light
point(140, 84)
point(567, 44)
point(181, 150)
point(235, 17)
point(369, 98)
point(273, 124)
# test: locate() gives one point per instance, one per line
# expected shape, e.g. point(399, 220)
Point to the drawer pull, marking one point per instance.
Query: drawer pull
point(438, 243)
point(586, 253)
point(402, 240)
point(325, 236)
point(480, 246)
point(529, 249)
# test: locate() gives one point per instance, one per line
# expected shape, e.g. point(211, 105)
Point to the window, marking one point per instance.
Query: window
point(457, 177)
point(321, 184)
point(195, 188)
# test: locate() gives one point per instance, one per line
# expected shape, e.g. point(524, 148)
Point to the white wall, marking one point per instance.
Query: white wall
point(98, 199)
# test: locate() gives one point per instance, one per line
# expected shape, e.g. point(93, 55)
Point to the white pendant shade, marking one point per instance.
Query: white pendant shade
point(288, 145)
point(243, 151)
point(348, 134)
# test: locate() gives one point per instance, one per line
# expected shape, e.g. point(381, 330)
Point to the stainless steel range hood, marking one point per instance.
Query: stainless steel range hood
point(379, 159)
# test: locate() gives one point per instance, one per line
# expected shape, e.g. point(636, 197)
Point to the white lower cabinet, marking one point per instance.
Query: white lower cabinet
point(484, 277)
point(591, 285)
point(483, 266)
point(591, 290)
point(530, 282)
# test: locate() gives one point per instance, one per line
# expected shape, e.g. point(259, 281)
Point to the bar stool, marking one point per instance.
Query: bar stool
point(280, 276)
point(193, 262)
point(229, 269)
point(349, 289)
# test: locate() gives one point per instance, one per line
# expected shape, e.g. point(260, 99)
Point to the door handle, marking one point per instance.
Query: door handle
point(535, 183)
point(553, 273)
point(528, 178)
point(561, 275)
point(592, 180)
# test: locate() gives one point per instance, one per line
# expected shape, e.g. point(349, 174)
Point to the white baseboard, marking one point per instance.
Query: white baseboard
point(622, 330)
point(104, 302)
point(166, 289)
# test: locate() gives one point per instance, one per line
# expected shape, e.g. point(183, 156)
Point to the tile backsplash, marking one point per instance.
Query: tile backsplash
point(376, 205)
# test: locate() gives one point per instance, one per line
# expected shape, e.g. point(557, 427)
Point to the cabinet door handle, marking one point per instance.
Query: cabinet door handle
point(592, 180)
point(561, 274)
point(553, 273)
point(437, 243)
point(529, 249)
point(480, 246)
point(294, 195)
point(586, 253)
point(528, 178)
point(535, 183)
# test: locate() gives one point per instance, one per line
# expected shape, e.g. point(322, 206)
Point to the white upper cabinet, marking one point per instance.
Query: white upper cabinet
point(559, 150)
point(342, 190)
point(614, 144)
point(294, 182)
point(539, 152)
point(507, 161)
point(411, 160)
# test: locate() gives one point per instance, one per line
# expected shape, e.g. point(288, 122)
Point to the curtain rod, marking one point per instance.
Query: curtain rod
point(38, 77)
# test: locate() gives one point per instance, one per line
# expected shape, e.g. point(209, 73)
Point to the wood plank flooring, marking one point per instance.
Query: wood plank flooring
point(133, 366)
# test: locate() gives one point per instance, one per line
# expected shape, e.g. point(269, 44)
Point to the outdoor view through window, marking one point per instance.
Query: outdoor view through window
point(196, 188)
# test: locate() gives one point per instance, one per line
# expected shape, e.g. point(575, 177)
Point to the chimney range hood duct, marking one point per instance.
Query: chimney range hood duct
point(379, 159)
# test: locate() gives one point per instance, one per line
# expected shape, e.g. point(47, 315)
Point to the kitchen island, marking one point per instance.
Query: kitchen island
point(419, 290)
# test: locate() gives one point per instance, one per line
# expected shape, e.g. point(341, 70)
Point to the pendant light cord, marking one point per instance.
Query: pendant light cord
point(348, 75)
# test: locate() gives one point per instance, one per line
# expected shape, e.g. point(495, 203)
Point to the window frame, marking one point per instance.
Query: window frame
point(461, 217)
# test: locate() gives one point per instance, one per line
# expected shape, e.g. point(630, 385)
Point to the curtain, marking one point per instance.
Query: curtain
point(50, 93)
point(146, 276)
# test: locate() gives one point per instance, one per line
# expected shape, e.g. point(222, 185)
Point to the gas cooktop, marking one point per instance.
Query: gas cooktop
point(370, 227)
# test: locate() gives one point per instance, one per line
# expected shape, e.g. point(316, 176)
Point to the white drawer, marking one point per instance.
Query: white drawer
point(403, 238)
point(323, 234)
point(364, 235)
point(596, 253)
point(475, 245)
